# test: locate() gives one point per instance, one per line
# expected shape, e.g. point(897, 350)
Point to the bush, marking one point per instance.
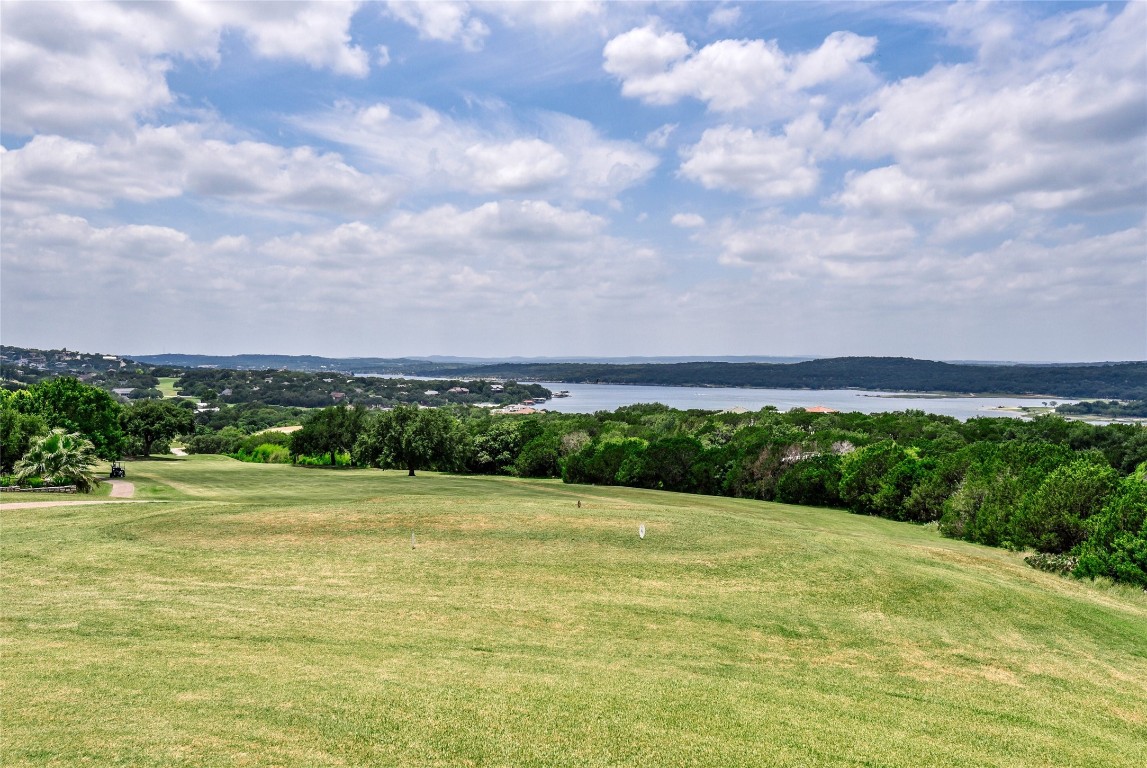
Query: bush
point(341, 460)
point(226, 440)
point(264, 453)
point(1060, 563)
point(1116, 545)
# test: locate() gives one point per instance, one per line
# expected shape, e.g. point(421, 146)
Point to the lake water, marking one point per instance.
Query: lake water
point(587, 398)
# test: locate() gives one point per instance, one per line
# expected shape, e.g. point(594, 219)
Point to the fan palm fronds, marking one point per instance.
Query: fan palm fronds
point(60, 458)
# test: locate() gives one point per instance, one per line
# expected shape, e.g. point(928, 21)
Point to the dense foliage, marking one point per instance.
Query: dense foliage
point(1135, 409)
point(60, 458)
point(316, 390)
point(68, 404)
point(149, 421)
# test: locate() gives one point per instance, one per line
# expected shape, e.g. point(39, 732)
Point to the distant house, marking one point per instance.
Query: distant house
point(430, 392)
point(336, 396)
point(821, 409)
point(125, 391)
point(226, 392)
point(459, 390)
point(496, 388)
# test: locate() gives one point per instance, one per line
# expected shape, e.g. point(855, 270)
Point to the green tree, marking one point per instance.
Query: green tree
point(1116, 545)
point(330, 430)
point(152, 420)
point(1052, 518)
point(60, 458)
point(876, 479)
point(18, 431)
point(69, 404)
point(539, 457)
point(412, 438)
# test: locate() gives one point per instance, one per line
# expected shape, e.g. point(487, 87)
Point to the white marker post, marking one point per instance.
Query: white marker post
point(641, 531)
point(412, 541)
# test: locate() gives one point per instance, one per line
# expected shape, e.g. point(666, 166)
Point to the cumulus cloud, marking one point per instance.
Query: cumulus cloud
point(661, 67)
point(445, 21)
point(78, 68)
point(811, 245)
point(1052, 130)
point(564, 157)
point(158, 163)
point(472, 269)
point(755, 163)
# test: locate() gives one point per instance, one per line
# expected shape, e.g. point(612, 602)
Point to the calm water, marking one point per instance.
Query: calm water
point(587, 398)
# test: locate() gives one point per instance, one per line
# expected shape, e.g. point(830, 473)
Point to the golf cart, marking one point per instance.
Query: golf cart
point(118, 470)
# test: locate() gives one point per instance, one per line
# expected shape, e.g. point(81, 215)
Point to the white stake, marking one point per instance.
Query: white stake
point(412, 541)
point(641, 530)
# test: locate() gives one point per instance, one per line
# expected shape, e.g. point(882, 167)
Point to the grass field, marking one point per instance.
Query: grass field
point(265, 615)
point(167, 386)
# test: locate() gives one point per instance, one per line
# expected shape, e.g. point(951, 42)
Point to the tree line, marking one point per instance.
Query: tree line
point(1125, 381)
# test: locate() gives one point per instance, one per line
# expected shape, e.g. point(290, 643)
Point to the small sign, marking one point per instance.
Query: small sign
point(641, 530)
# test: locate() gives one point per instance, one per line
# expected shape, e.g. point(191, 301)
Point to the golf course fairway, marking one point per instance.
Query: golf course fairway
point(237, 614)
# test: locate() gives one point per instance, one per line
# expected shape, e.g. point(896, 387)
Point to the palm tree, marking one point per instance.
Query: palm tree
point(60, 458)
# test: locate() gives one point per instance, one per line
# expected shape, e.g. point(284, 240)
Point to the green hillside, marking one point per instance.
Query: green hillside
point(270, 615)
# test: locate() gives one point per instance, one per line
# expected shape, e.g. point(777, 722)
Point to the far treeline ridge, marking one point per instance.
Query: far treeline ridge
point(1116, 380)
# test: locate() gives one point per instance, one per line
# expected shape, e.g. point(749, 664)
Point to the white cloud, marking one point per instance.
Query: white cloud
point(524, 263)
point(659, 138)
point(79, 68)
point(687, 220)
point(170, 161)
point(816, 245)
point(887, 190)
point(724, 16)
point(565, 156)
point(662, 68)
point(546, 15)
point(1053, 129)
point(444, 21)
point(754, 163)
point(835, 59)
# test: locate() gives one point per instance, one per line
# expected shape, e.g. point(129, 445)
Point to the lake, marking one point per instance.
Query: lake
point(587, 398)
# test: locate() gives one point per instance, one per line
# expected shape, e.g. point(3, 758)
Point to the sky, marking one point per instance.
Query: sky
point(940, 181)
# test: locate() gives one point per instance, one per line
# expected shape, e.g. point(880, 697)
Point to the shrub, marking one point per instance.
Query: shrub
point(264, 453)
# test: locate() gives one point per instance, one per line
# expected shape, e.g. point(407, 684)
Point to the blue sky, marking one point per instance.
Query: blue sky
point(945, 181)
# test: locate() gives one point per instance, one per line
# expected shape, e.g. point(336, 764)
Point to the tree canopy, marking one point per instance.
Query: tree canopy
point(411, 438)
point(151, 420)
point(69, 404)
point(330, 430)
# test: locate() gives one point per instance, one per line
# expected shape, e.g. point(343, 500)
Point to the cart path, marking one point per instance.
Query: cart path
point(41, 504)
point(121, 489)
point(179, 451)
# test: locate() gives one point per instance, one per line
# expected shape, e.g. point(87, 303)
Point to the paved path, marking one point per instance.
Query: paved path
point(121, 489)
point(39, 504)
point(179, 451)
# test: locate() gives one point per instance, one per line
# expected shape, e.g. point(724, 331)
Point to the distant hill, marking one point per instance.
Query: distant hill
point(1112, 380)
point(1119, 380)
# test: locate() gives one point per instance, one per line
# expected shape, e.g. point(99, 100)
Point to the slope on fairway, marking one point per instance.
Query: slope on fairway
point(271, 615)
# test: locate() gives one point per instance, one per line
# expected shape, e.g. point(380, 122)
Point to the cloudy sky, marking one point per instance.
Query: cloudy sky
point(960, 181)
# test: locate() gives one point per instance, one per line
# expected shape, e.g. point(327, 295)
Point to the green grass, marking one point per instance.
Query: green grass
point(167, 386)
point(274, 615)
